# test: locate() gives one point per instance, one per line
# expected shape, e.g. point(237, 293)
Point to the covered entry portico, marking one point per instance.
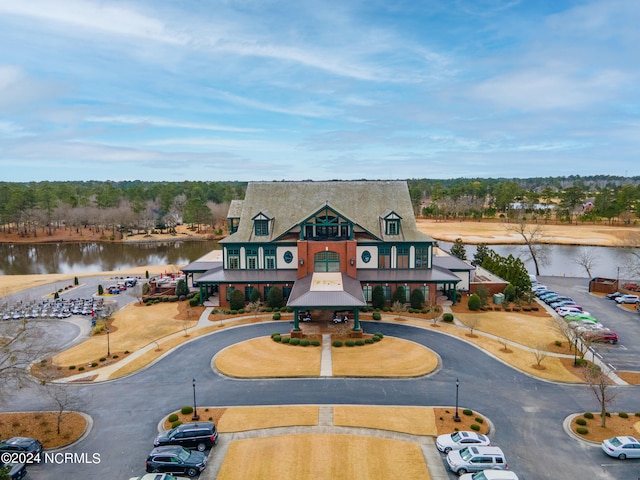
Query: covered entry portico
point(333, 291)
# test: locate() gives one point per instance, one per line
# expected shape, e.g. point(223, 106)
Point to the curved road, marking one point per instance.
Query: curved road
point(527, 412)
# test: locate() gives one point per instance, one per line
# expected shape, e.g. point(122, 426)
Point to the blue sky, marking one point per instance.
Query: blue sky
point(271, 90)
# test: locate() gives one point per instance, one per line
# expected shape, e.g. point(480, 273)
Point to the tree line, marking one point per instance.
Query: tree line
point(37, 208)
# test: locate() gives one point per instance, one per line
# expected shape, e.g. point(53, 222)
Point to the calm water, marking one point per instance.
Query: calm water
point(562, 260)
point(25, 259)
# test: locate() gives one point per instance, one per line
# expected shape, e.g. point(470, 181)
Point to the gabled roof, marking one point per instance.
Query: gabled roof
point(363, 202)
point(235, 209)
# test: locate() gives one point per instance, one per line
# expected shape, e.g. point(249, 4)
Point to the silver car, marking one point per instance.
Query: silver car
point(622, 447)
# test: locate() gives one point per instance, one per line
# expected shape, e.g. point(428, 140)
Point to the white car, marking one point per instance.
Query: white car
point(622, 447)
point(490, 475)
point(458, 440)
point(628, 299)
point(564, 311)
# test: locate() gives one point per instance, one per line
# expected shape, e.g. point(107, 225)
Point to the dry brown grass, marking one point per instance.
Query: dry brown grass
point(496, 232)
point(381, 359)
point(262, 357)
point(632, 378)
point(338, 457)
point(615, 427)
point(43, 426)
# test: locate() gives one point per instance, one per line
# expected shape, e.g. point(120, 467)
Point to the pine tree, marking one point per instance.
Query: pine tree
point(458, 250)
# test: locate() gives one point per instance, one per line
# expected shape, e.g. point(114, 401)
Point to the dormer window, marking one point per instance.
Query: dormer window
point(261, 228)
point(391, 223)
point(261, 224)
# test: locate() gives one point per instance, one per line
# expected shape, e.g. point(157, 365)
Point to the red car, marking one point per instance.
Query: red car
point(631, 286)
point(601, 336)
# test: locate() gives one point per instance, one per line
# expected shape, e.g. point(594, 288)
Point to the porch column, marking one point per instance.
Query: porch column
point(296, 325)
point(455, 294)
point(356, 320)
point(201, 291)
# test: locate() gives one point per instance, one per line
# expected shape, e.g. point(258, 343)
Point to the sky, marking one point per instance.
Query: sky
point(245, 90)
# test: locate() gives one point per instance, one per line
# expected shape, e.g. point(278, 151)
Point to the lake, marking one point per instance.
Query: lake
point(72, 258)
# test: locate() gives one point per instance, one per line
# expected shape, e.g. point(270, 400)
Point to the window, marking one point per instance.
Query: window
point(403, 257)
point(286, 291)
point(269, 258)
point(393, 227)
point(387, 293)
point(366, 292)
point(233, 258)
point(252, 258)
point(384, 257)
point(266, 292)
point(261, 227)
point(425, 292)
point(422, 258)
point(247, 293)
point(229, 291)
point(326, 262)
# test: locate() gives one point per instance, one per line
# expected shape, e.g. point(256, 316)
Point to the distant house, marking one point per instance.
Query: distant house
point(327, 245)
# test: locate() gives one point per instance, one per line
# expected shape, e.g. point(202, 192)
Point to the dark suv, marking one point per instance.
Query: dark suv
point(175, 459)
point(201, 435)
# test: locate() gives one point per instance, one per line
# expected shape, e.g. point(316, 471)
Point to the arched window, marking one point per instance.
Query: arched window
point(326, 262)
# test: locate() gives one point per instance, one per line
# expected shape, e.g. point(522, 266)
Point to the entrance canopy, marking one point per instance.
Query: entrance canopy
point(326, 289)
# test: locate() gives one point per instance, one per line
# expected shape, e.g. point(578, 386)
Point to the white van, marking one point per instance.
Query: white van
point(475, 459)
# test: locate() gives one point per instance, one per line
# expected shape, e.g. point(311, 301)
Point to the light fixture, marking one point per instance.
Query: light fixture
point(352, 261)
point(301, 261)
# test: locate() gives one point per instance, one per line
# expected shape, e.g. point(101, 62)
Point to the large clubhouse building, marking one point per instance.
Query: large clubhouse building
point(326, 245)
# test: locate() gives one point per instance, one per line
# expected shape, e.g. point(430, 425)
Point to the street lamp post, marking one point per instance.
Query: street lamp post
point(456, 417)
point(108, 344)
point(195, 408)
point(575, 352)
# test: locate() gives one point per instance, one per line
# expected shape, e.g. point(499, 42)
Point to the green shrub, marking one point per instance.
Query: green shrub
point(386, 309)
point(475, 426)
point(315, 343)
point(273, 334)
point(623, 415)
point(275, 298)
point(276, 316)
point(75, 281)
point(447, 317)
point(479, 420)
point(277, 338)
point(72, 367)
point(509, 293)
point(173, 417)
point(186, 410)
point(115, 356)
point(376, 316)
point(558, 343)
point(283, 309)
point(416, 298)
point(102, 359)
point(582, 430)
point(100, 290)
point(376, 338)
point(474, 302)
point(305, 343)
point(268, 309)
point(337, 343)
point(349, 343)
point(360, 342)
point(80, 369)
point(581, 362)
point(94, 364)
point(126, 352)
point(286, 339)
point(467, 412)
point(377, 297)
point(295, 341)
point(241, 311)
point(379, 334)
point(195, 300)
point(581, 421)
point(368, 340)
point(176, 424)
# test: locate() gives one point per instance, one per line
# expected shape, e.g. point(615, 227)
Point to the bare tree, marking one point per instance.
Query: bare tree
point(540, 353)
point(136, 291)
point(587, 259)
point(20, 347)
point(397, 307)
point(599, 384)
point(253, 307)
point(630, 254)
point(65, 398)
point(472, 323)
point(532, 235)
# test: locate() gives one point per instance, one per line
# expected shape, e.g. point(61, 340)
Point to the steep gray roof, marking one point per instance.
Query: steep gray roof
point(235, 209)
point(348, 294)
point(363, 202)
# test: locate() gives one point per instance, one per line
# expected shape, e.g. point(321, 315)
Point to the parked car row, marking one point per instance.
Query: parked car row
point(180, 450)
point(583, 323)
point(471, 455)
point(50, 308)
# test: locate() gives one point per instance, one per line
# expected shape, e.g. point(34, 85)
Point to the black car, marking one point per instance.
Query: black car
point(22, 444)
point(176, 459)
point(201, 435)
point(16, 471)
point(614, 295)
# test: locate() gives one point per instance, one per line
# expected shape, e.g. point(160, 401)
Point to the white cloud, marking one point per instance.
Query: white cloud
point(159, 122)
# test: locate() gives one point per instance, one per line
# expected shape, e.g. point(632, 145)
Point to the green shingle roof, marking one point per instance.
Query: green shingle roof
point(363, 202)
